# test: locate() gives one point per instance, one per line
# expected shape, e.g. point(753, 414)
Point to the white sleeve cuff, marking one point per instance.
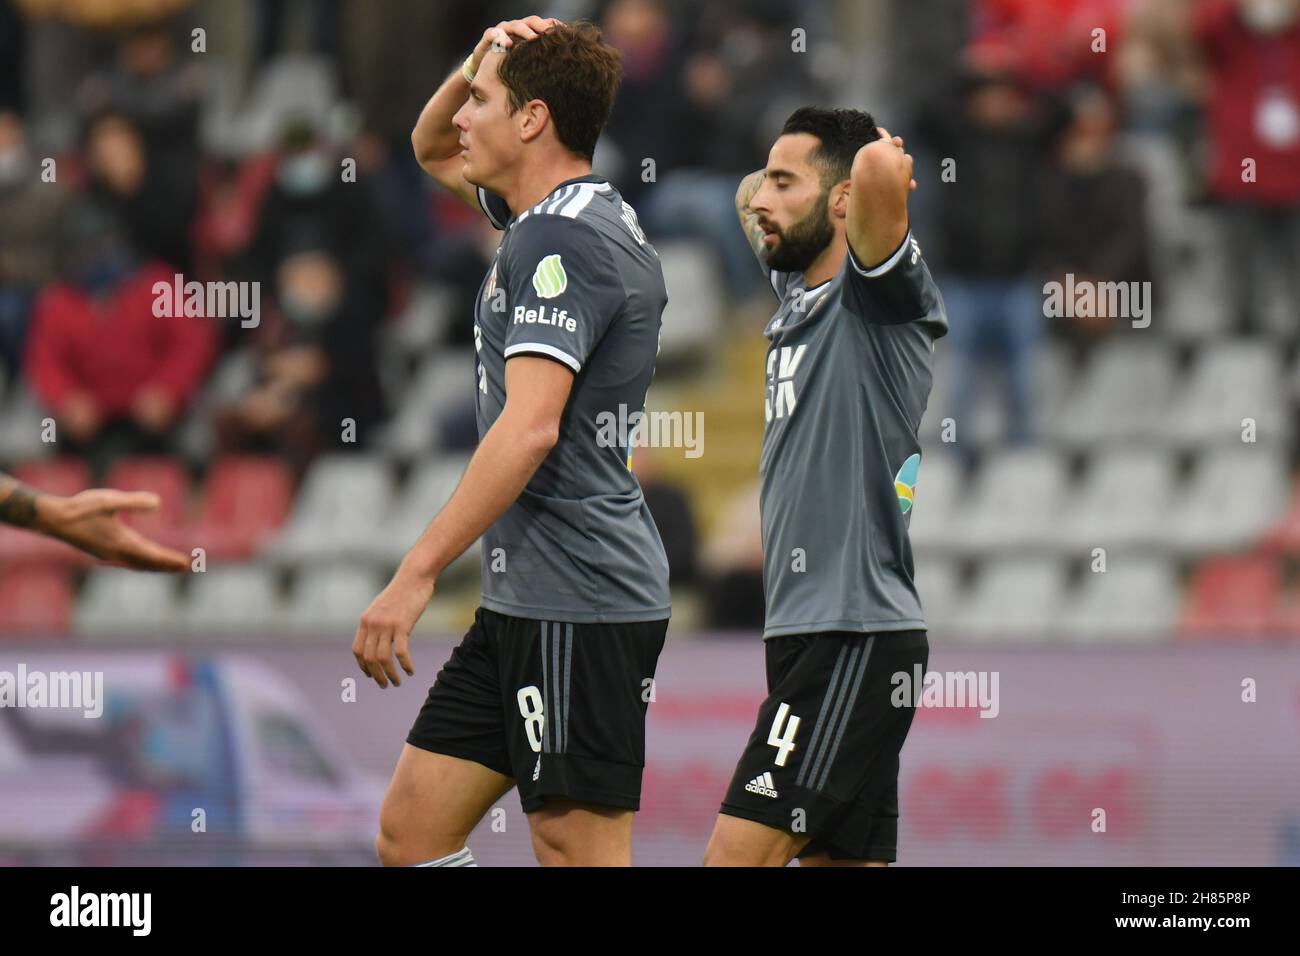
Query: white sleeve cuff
point(541, 348)
point(885, 266)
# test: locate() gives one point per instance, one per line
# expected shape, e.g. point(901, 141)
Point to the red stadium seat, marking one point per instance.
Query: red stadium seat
point(169, 479)
point(246, 498)
point(1236, 596)
point(35, 598)
point(1285, 536)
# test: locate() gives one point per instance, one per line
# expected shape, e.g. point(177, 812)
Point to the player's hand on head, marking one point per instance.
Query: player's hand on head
point(385, 628)
point(505, 33)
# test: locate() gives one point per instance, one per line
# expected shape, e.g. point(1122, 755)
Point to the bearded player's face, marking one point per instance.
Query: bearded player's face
point(793, 206)
point(488, 136)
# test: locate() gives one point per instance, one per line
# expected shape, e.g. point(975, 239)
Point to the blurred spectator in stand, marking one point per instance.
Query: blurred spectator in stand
point(740, 85)
point(1163, 83)
point(643, 123)
point(324, 18)
point(1058, 40)
point(1094, 214)
point(998, 137)
point(733, 561)
point(310, 203)
point(29, 218)
point(115, 375)
point(316, 366)
point(670, 507)
point(397, 54)
point(161, 95)
point(13, 43)
point(154, 212)
point(1252, 49)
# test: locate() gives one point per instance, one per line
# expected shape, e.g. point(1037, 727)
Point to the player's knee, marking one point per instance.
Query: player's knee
point(399, 845)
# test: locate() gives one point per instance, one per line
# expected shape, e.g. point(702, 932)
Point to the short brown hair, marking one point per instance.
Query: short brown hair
point(574, 72)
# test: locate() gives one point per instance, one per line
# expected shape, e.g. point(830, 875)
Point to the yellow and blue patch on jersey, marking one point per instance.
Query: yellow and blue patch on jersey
point(905, 482)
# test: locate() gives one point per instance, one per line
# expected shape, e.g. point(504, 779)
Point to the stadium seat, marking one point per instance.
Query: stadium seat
point(1234, 497)
point(1230, 382)
point(427, 489)
point(422, 325)
point(1121, 395)
point(117, 603)
point(330, 600)
point(442, 381)
point(22, 427)
point(1135, 599)
point(1012, 599)
point(692, 319)
point(340, 506)
point(1285, 536)
point(1120, 504)
point(939, 584)
point(1018, 496)
point(1234, 596)
point(168, 478)
point(35, 598)
point(235, 601)
point(245, 500)
point(938, 492)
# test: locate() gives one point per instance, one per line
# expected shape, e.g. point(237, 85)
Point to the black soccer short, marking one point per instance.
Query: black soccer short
point(833, 775)
point(559, 707)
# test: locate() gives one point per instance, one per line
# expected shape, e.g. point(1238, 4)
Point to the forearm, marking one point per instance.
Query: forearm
point(501, 468)
point(879, 189)
point(748, 219)
point(17, 503)
point(434, 138)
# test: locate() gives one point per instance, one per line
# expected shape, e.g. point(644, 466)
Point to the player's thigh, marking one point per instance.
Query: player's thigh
point(433, 802)
point(740, 842)
point(568, 833)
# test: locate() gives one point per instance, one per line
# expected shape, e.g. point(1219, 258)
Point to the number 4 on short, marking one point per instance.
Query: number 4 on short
point(783, 741)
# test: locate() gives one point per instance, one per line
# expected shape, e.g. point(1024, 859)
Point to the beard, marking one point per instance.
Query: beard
point(799, 246)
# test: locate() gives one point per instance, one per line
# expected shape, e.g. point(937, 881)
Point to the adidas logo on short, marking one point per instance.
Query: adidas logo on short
point(763, 784)
point(537, 771)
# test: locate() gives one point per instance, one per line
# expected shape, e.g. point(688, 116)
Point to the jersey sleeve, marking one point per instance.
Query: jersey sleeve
point(896, 291)
point(494, 207)
point(563, 289)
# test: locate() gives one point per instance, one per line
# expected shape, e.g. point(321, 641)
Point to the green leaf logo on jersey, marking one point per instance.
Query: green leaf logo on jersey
point(549, 279)
point(905, 482)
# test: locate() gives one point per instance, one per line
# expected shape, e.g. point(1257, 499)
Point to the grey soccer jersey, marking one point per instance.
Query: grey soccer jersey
point(848, 378)
point(574, 280)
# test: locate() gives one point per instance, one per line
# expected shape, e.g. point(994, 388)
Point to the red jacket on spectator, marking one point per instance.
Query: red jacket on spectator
point(1253, 110)
point(115, 347)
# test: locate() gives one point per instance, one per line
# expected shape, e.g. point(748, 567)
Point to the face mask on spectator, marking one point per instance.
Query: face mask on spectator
point(304, 174)
point(13, 165)
point(100, 271)
point(1269, 16)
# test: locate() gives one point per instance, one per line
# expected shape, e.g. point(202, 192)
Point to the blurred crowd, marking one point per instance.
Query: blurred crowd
point(267, 141)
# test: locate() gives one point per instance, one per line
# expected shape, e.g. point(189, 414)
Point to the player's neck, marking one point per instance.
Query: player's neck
point(537, 181)
point(826, 265)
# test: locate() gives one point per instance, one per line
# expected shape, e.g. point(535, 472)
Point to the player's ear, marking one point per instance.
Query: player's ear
point(534, 118)
point(839, 199)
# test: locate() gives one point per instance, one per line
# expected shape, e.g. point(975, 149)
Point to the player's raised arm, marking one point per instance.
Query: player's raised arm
point(88, 521)
point(748, 218)
point(435, 139)
point(877, 218)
